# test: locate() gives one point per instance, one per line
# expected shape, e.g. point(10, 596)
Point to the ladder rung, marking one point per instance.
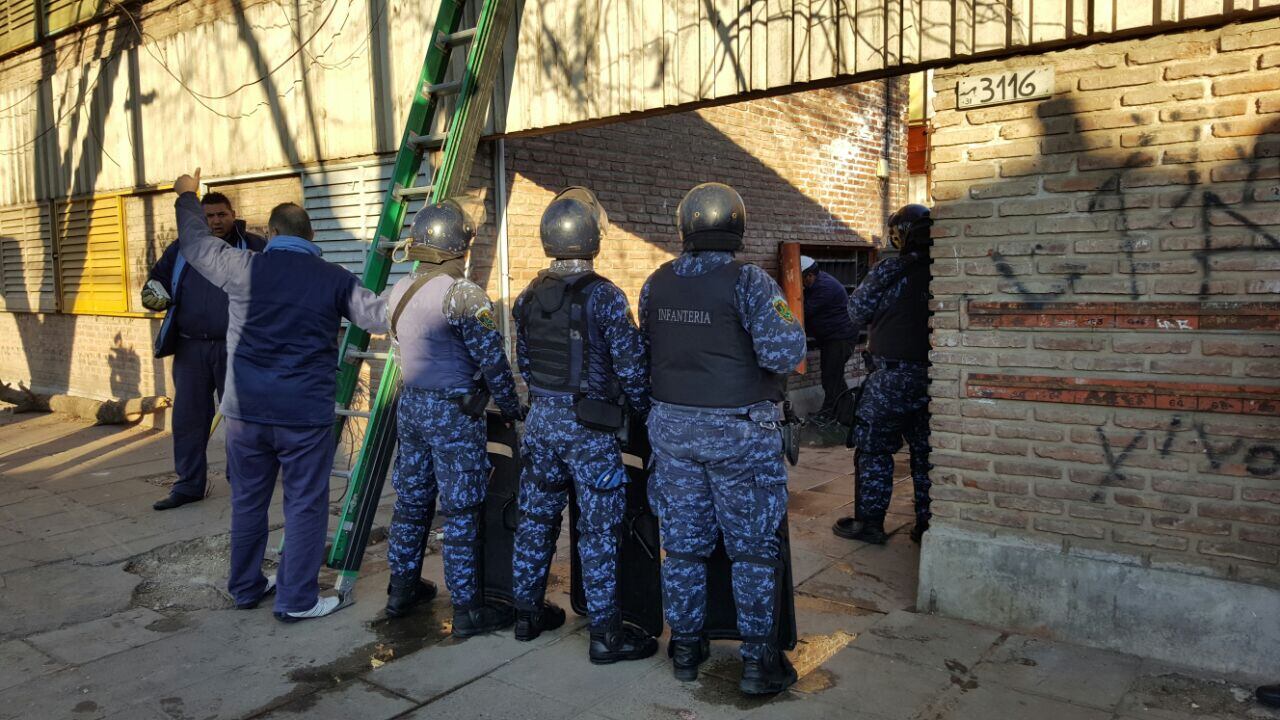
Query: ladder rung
point(425, 142)
point(344, 474)
point(348, 412)
point(409, 193)
point(366, 355)
point(450, 87)
point(456, 39)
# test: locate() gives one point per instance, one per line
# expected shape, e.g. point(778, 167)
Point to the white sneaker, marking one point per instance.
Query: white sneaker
point(324, 606)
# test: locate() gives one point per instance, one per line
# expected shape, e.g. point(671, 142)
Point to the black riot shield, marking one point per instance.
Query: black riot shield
point(722, 611)
point(501, 510)
point(639, 552)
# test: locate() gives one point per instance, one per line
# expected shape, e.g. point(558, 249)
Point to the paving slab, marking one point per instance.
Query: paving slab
point(1096, 678)
point(880, 686)
point(939, 643)
point(994, 701)
point(88, 641)
point(78, 593)
point(657, 695)
point(434, 670)
point(874, 577)
point(20, 662)
point(491, 699)
point(562, 671)
point(356, 699)
point(1166, 692)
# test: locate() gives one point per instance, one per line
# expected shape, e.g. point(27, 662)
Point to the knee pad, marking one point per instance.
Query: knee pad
point(472, 511)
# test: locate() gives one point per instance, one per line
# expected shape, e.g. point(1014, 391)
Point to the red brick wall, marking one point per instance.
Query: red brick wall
point(1107, 319)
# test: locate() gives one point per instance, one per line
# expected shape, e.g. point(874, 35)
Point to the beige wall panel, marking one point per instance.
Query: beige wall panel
point(824, 42)
point(801, 41)
point(759, 44)
point(780, 48)
point(911, 30)
point(1020, 20)
point(989, 18)
point(19, 130)
point(1130, 15)
point(871, 35)
point(964, 29)
point(935, 24)
point(687, 65)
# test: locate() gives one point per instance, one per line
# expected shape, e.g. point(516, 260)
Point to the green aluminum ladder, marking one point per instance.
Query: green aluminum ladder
point(458, 143)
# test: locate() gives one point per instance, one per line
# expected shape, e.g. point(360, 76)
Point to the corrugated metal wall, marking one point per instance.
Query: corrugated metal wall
point(331, 80)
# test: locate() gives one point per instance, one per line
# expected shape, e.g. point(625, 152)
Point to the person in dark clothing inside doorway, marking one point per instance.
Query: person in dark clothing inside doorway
point(194, 332)
point(826, 319)
point(285, 309)
point(894, 301)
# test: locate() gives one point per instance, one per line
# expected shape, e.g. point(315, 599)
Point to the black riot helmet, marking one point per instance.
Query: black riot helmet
point(441, 231)
point(572, 225)
point(712, 216)
point(909, 228)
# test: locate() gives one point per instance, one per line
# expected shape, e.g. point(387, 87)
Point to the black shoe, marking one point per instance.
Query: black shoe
point(918, 530)
point(406, 593)
point(481, 620)
point(620, 642)
point(868, 531)
point(686, 656)
point(769, 675)
point(174, 500)
point(1269, 695)
point(532, 623)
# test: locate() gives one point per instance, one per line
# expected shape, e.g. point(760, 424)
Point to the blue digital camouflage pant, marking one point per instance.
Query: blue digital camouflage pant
point(894, 406)
point(557, 450)
point(716, 473)
point(442, 452)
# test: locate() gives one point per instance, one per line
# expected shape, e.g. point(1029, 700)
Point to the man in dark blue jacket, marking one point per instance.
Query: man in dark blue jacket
point(194, 332)
point(285, 310)
point(826, 318)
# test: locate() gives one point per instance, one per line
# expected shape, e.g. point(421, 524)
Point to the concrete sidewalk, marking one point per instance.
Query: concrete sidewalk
point(108, 609)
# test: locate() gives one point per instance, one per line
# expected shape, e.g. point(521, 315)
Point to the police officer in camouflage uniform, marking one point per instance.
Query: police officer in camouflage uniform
point(580, 354)
point(722, 341)
point(894, 300)
point(447, 340)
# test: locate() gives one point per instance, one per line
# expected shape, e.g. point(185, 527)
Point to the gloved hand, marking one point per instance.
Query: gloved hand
point(155, 297)
point(610, 480)
point(522, 411)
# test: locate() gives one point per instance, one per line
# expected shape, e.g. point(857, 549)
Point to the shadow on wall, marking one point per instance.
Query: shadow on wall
point(82, 111)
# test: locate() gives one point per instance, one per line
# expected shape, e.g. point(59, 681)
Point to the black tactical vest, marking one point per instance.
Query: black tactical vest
point(556, 331)
point(699, 352)
point(900, 330)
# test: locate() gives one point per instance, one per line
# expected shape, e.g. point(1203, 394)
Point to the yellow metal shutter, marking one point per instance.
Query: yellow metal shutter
point(62, 14)
point(91, 255)
point(26, 259)
point(17, 24)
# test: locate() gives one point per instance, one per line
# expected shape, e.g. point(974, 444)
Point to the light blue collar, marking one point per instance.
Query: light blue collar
point(292, 243)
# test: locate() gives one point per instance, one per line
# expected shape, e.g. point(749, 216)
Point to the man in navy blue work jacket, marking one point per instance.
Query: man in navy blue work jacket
point(826, 318)
point(194, 332)
point(285, 310)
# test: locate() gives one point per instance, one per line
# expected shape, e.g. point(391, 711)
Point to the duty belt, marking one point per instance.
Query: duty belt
point(889, 364)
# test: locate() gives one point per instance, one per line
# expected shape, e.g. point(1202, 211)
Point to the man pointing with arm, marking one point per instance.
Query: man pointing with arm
point(285, 309)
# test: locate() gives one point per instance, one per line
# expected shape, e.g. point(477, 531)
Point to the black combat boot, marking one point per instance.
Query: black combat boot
point(482, 619)
point(918, 530)
point(870, 530)
point(769, 675)
point(404, 593)
point(531, 623)
point(686, 655)
point(1269, 695)
point(617, 641)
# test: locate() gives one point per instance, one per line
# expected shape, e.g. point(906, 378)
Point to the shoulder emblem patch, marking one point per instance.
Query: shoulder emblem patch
point(484, 316)
point(781, 307)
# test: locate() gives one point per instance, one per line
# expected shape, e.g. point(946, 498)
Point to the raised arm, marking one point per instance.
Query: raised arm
point(219, 263)
point(367, 309)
